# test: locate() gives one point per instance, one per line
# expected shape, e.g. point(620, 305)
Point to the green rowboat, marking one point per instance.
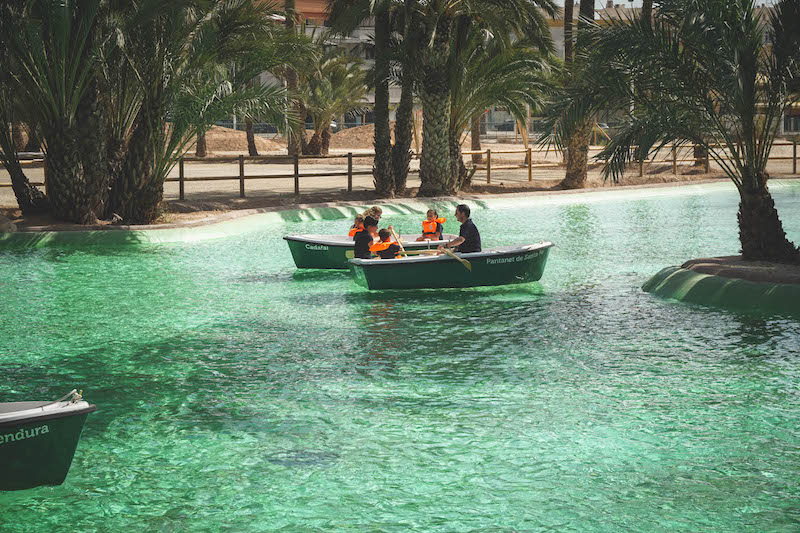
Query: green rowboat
point(333, 251)
point(499, 266)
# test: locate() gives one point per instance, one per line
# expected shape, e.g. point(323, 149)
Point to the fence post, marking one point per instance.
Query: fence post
point(488, 166)
point(530, 165)
point(674, 159)
point(181, 176)
point(794, 156)
point(296, 175)
point(706, 162)
point(44, 168)
point(641, 166)
point(241, 176)
point(349, 171)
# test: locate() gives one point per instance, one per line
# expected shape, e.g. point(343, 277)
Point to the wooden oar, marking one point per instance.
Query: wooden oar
point(421, 252)
point(464, 262)
point(400, 244)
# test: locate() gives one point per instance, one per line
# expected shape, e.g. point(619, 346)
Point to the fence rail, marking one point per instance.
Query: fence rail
point(488, 167)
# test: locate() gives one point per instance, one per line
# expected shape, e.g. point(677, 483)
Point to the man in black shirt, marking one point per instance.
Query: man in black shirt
point(469, 239)
point(364, 239)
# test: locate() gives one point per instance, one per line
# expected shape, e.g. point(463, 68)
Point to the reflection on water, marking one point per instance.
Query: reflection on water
point(237, 393)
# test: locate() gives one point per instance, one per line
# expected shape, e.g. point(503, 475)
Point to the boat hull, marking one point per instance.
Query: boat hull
point(39, 451)
point(494, 267)
point(331, 251)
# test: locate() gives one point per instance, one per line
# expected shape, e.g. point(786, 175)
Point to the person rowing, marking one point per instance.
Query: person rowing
point(432, 227)
point(469, 238)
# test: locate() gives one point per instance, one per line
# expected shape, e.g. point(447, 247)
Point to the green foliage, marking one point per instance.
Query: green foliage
point(708, 72)
point(332, 85)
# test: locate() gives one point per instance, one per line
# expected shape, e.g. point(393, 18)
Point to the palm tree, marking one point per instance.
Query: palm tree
point(438, 19)
point(345, 16)
point(710, 72)
point(577, 149)
point(486, 71)
point(330, 87)
point(168, 45)
point(50, 49)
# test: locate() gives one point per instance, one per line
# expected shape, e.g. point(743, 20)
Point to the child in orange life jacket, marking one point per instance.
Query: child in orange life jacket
point(432, 227)
point(385, 248)
point(358, 225)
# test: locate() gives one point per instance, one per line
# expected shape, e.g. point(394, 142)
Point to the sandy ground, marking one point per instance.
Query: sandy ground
point(211, 196)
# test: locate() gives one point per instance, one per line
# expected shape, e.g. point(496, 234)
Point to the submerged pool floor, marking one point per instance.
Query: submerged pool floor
point(238, 394)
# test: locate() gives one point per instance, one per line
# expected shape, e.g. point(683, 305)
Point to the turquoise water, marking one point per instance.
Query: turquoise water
point(237, 394)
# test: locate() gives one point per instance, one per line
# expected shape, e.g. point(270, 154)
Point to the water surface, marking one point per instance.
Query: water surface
point(238, 394)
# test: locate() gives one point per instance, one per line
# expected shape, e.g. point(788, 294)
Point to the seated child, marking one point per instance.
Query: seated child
point(385, 248)
point(364, 239)
point(358, 225)
point(432, 227)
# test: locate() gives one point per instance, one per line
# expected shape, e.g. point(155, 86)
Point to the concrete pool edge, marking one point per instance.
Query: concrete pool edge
point(686, 285)
point(232, 223)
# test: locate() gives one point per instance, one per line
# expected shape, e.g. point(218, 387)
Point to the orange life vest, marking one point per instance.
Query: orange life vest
point(353, 231)
point(381, 246)
point(429, 226)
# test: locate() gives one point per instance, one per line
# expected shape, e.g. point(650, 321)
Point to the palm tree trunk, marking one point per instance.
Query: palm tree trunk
point(18, 136)
point(30, 199)
point(326, 141)
point(435, 168)
point(459, 168)
point(577, 158)
point(33, 144)
point(93, 150)
point(404, 114)
point(761, 233)
point(476, 138)
point(66, 187)
point(135, 195)
point(201, 146)
point(251, 137)
point(647, 10)
point(382, 164)
point(314, 146)
point(578, 144)
point(569, 15)
point(294, 145)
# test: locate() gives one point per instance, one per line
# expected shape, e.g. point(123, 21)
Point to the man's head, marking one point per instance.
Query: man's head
point(384, 234)
point(370, 224)
point(462, 213)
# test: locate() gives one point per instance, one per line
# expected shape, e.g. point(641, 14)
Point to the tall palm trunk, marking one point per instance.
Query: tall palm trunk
point(93, 150)
point(326, 140)
point(66, 186)
point(201, 147)
point(136, 194)
point(251, 137)
point(294, 145)
point(404, 114)
point(569, 15)
point(760, 230)
point(476, 138)
point(578, 144)
point(17, 135)
point(382, 164)
point(435, 169)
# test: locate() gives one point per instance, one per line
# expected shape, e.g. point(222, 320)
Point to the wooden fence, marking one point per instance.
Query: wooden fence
point(488, 167)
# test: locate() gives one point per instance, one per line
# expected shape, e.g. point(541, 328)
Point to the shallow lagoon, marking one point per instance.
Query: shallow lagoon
point(236, 393)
